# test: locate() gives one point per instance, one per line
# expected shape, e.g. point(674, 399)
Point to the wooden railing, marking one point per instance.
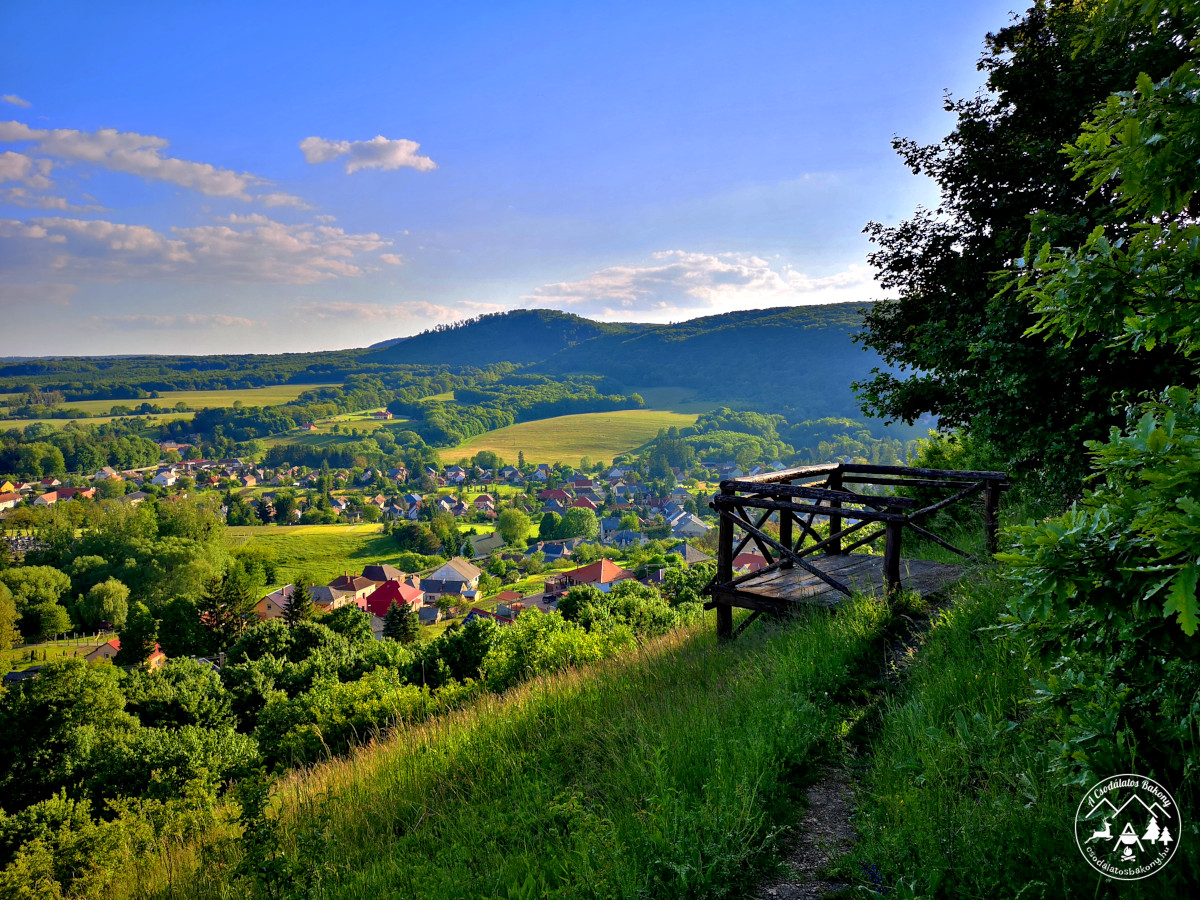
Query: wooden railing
point(795, 498)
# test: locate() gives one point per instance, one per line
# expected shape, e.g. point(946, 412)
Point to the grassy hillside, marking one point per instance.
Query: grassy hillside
point(569, 438)
point(260, 396)
point(324, 551)
point(521, 336)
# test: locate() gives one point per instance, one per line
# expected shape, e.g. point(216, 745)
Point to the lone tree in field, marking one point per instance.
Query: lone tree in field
point(298, 607)
point(400, 623)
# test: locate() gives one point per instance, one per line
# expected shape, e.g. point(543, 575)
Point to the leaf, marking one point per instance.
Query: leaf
point(1181, 599)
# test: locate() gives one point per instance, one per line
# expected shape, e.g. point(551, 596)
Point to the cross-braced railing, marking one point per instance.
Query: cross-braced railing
point(795, 498)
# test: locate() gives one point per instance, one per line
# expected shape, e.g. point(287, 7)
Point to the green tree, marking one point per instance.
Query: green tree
point(513, 526)
point(549, 527)
point(400, 623)
point(578, 522)
point(107, 601)
point(298, 607)
point(46, 621)
point(226, 608)
point(350, 622)
point(138, 637)
point(955, 347)
point(285, 506)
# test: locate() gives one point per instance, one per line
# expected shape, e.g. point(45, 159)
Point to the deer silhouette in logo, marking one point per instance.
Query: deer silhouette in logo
point(1105, 832)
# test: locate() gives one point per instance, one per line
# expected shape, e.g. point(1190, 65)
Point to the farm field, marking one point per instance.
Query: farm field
point(674, 399)
point(324, 551)
point(152, 419)
point(271, 395)
point(570, 438)
point(35, 654)
point(324, 435)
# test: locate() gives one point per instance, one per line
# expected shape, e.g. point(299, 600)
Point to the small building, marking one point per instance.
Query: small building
point(602, 575)
point(109, 650)
point(272, 605)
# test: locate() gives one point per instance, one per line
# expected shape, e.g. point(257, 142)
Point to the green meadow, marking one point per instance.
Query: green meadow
point(568, 439)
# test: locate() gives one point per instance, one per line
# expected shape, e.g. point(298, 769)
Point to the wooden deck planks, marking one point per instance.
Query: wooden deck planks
point(860, 572)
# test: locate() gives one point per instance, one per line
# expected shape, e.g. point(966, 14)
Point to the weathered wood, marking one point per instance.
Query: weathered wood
point(942, 504)
point(835, 521)
point(891, 555)
point(787, 475)
point(863, 469)
point(785, 534)
point(868, 515)
point(784, 552)
point(747, 537)
point(991, 503)
point(810, 493)
point(745, 623)
point(757, 533)
point(903, 482)
point(929, 535)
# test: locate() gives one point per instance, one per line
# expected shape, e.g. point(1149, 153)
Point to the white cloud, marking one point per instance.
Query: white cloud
point(19, 167)
point(278, 198)
point(135, 154)
point(243, 249)
point(18, 196)
point(377, 153)
point(16, 101)
point(38, 295)
point(418, 310)
point(192, 320)
point(680, 284)
point(392, 259)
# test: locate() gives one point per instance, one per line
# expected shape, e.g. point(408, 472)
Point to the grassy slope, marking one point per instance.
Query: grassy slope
point(271, 395)
point(324, 551)
point(569, 438)
point(664, 774)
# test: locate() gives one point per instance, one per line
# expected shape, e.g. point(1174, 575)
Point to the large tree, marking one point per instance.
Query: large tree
point(958, 342)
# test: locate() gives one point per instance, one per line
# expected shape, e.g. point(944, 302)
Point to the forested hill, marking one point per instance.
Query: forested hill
point(521, 336)
point(801, 359)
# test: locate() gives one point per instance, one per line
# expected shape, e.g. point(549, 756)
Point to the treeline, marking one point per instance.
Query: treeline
point(40, 451)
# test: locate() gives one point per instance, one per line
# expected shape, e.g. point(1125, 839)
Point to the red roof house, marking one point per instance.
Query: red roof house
point(602, 574)
point(391, 592)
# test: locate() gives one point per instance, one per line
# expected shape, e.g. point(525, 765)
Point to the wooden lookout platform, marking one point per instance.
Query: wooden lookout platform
point(804, 566)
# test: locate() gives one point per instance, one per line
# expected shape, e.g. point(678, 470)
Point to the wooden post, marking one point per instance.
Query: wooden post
point(991, 503)
point(724, 567)
point(785, 534)
point(891, 556)
point(835, 521)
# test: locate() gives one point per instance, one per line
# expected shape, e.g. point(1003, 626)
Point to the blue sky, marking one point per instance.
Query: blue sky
point(268, 177)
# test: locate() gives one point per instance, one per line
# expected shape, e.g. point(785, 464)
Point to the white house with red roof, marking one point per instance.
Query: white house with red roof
point(602, 575)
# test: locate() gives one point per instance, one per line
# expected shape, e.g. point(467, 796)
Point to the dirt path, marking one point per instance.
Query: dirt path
point(822, 833)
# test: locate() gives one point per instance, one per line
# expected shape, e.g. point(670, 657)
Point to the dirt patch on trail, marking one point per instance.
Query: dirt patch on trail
point(824, 832)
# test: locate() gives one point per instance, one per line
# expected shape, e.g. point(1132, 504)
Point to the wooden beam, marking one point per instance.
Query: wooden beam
point(921, 473)
point(867, 515)
point(929, 535)
point(787, 475)
point(891, 556)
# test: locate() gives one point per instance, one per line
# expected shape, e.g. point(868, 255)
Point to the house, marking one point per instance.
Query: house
point(248, 481)
point(272, 605)
point(355, 586)
point(109, 650)
point(583, 503)
point(47, 499)
point(688, 526)
point(67, 493)
point(106, 473)
point(554, 494)
point(379, 602)
point(382, 572)
point(429, 615)
point(477, 613)
point(399, 474)
point(9, 499)
point(381, 415)
point(554, 506)
point(748, 562)
point(602, 575)
point(308, 426)
point(691, 556)
point(50, 483)
point(608, 526)
point(166, 478)
point(484, 544)
point(459, 569)
point(133, 499)
point(329, 599)
point(484, 502)
point(508, 473)
point(626, 538)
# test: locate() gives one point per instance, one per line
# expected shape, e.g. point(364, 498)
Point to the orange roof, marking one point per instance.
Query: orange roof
point(602, 571)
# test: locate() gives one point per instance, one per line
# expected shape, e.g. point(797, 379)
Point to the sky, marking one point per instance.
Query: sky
point(268, 177)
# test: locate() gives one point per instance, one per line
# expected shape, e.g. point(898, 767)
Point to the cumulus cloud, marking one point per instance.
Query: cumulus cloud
point(18, 196)
point(679, 283)
point(241, 249)
point(16, 101)
point(135, 154)
point(278, 198)
point(19, 167)
point(377, 153)
point(392, 259)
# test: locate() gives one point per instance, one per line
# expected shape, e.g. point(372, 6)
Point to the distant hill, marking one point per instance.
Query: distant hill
point(521, 336)
point(795, 360)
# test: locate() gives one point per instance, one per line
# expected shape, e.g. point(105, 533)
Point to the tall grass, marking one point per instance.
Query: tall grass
point(958, 800)
point(667, 773)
